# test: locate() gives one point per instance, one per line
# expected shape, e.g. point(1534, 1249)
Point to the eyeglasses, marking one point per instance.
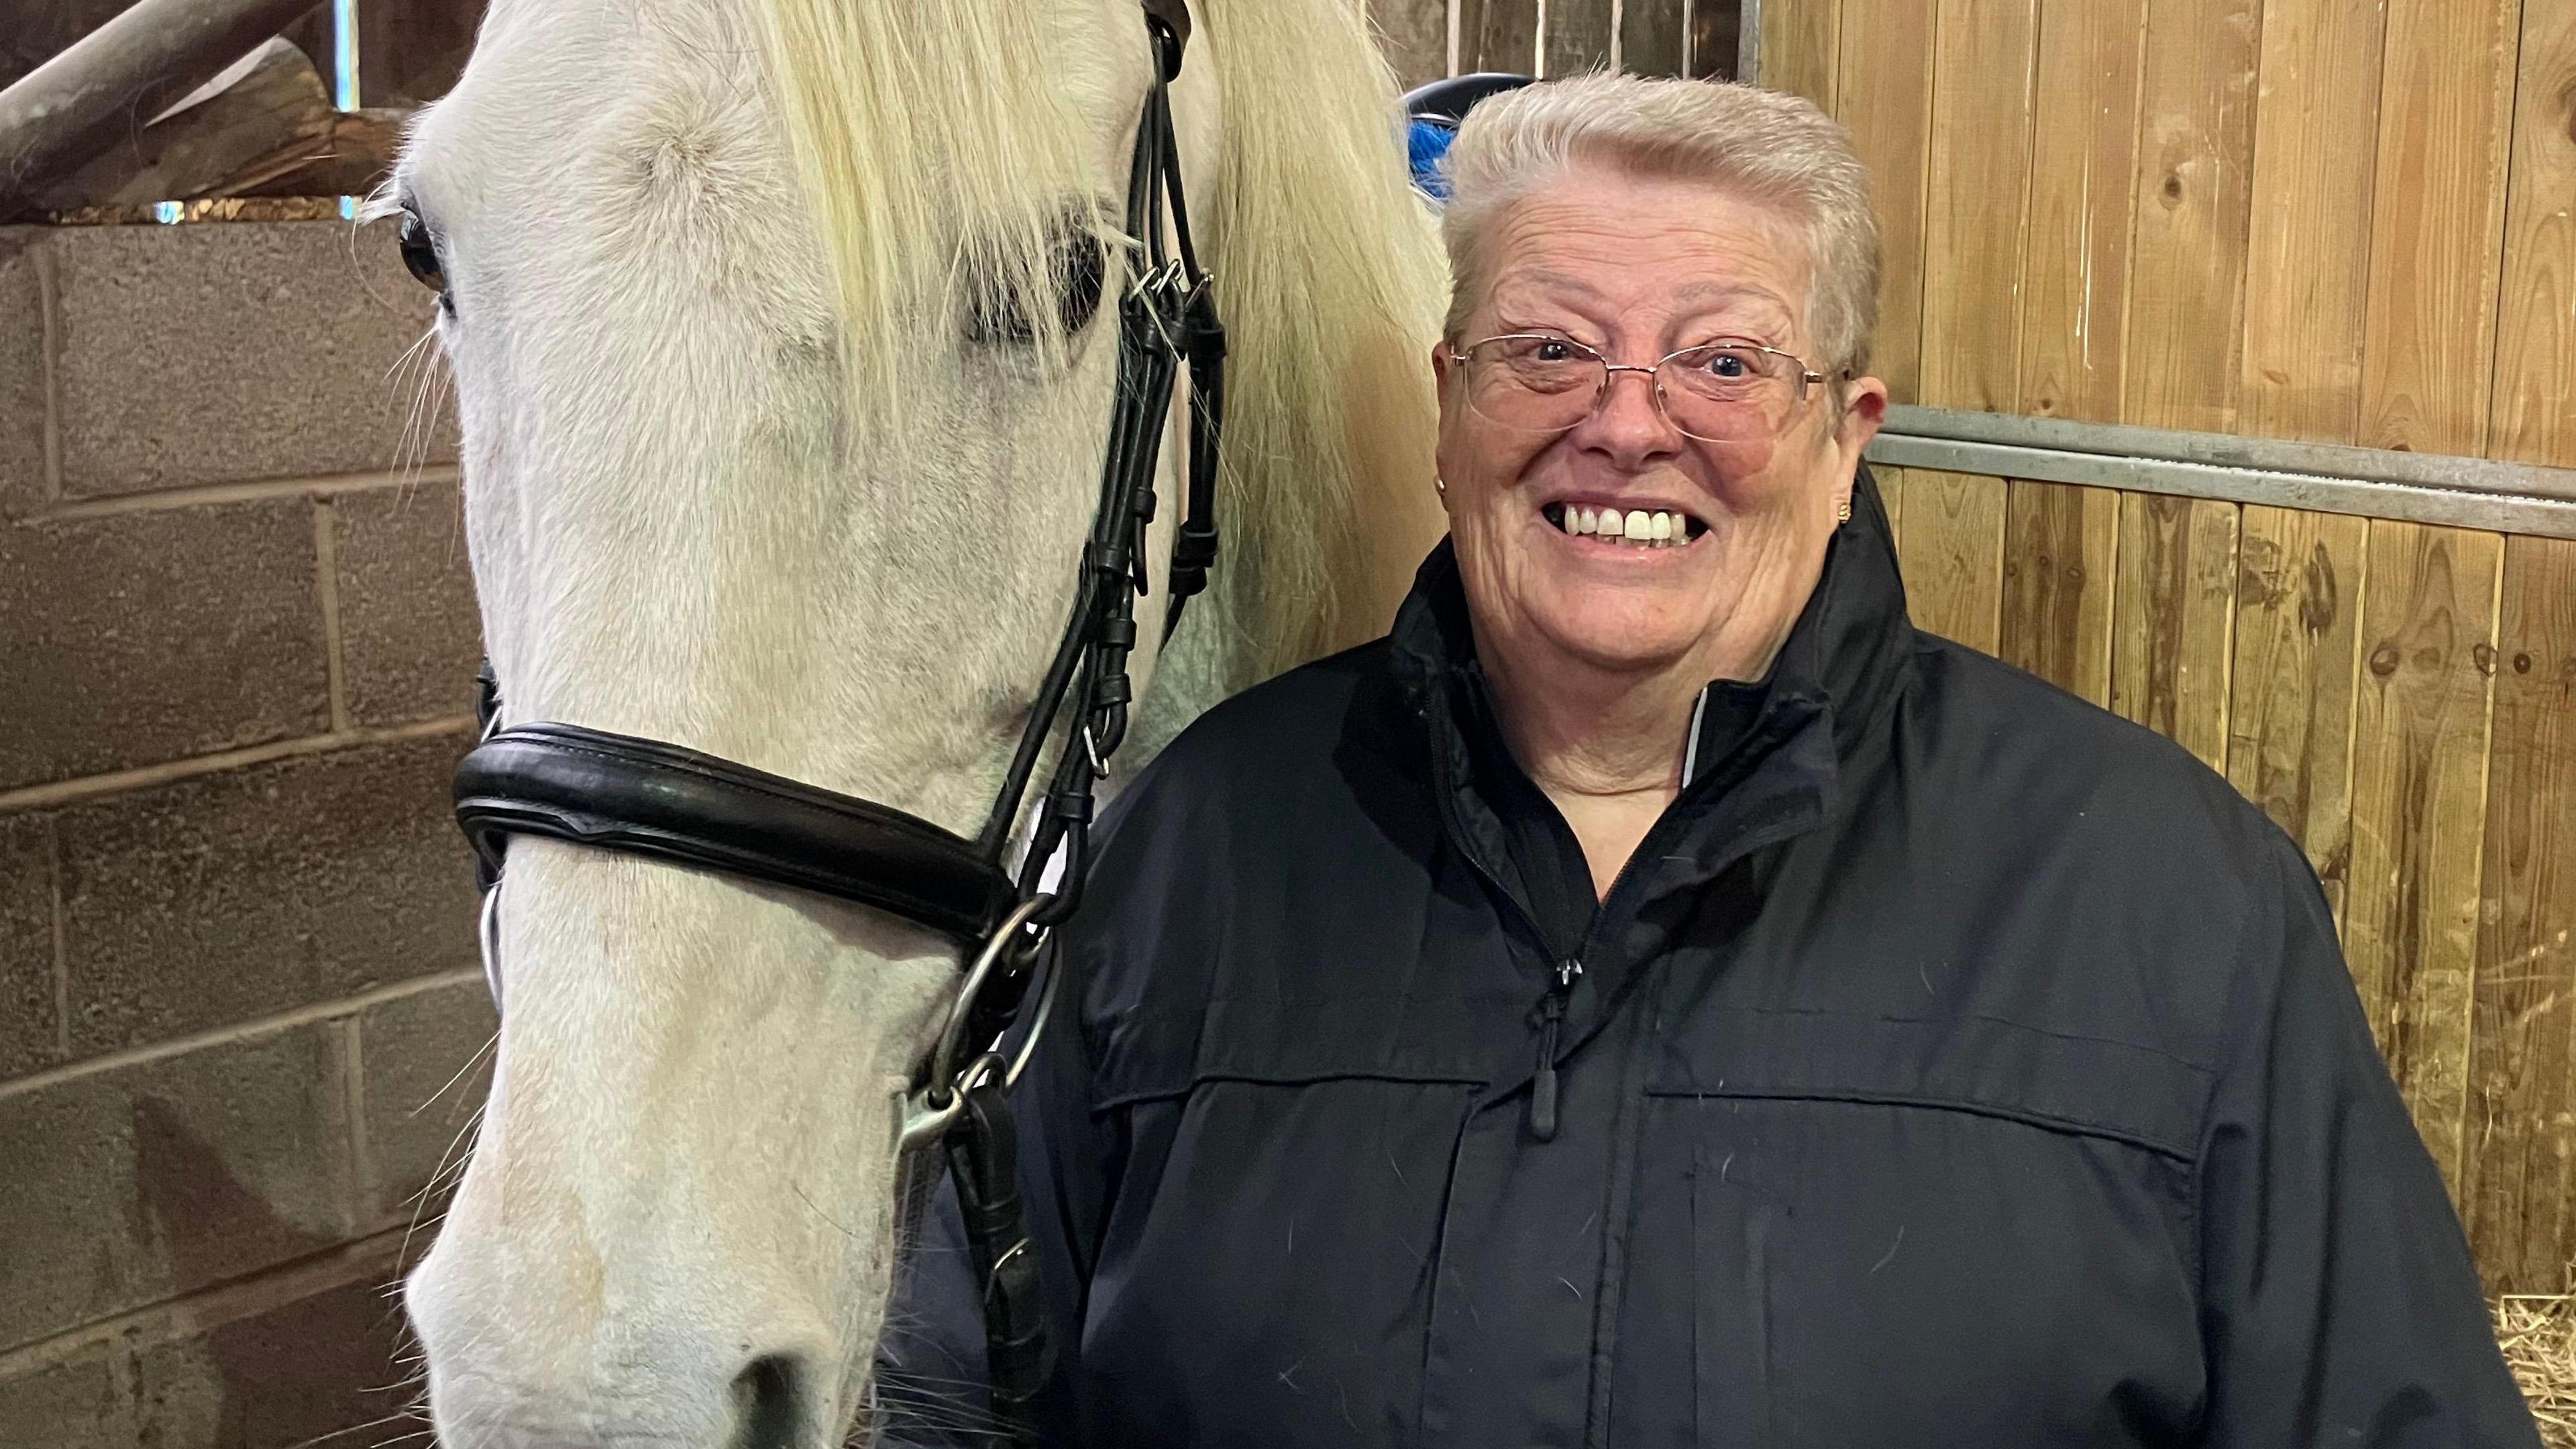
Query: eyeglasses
point(1720, 392)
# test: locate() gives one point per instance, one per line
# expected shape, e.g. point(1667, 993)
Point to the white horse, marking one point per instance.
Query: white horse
point(780, 444)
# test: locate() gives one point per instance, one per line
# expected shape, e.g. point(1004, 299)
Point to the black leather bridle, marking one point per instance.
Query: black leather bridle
point(644, 797)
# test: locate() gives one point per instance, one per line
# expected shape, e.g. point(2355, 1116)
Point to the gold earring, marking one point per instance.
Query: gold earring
point(1441, 485)
point(1843, 514)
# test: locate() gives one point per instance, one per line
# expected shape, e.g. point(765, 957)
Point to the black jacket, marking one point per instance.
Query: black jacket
point(1955, 1064)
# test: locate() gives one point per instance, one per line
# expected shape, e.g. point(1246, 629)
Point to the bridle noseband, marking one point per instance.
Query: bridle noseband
point(648, 798)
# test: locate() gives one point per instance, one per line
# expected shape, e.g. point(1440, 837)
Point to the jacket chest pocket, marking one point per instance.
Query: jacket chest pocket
point(1731, 1308)
point(1874, 1262)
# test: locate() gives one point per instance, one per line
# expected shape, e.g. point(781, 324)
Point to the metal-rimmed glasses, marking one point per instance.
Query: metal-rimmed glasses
point(1536, 382)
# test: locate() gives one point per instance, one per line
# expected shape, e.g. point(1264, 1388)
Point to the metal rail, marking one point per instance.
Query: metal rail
point(2377, 483)
point(110, 82)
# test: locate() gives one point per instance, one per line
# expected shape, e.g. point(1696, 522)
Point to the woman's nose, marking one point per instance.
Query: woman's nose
point(1629, 422)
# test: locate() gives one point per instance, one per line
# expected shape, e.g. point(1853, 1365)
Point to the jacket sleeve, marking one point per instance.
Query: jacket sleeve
point(2339, 1302)
point(931, 1389)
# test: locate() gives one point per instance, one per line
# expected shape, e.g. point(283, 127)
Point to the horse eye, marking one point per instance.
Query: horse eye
point(420, 254)
point(1079, 269)
point(1076, 273)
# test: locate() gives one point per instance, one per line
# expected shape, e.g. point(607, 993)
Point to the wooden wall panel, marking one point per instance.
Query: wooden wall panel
point(2445, 106)
point(2075, 261)
point(1575, 36)
point(1414, 34)
point(1497, 35)
point(1891, 494)
point(1982, 74)
point(2518, 1195)
point(2419, 809)
point(2377, 246)
point(1652, 39)
point(2299, 592)
point(2192, 210)
point(2061, 558)
point(2535, 373)
point(1952, 553)
point(2308, 274)
point(1886, 91)
point(2173, 611)
point(1801, 40)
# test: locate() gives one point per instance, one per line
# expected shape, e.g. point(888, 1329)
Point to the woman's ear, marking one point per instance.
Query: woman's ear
point(1441, 367)
point(1864, 412)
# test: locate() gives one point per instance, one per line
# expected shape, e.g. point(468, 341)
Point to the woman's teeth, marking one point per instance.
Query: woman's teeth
point(1638, 527)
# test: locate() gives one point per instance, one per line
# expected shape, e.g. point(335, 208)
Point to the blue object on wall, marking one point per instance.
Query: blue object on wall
point(1427, 144)
point(1435, 110)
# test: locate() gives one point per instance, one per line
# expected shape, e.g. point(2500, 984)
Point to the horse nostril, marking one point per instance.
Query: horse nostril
point(766, 1411)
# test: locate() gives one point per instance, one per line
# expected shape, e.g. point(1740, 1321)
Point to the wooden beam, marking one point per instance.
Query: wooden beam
point(73, 107)
point(279, 99)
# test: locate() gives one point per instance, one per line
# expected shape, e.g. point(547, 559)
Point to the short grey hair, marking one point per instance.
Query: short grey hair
point(1762, 146)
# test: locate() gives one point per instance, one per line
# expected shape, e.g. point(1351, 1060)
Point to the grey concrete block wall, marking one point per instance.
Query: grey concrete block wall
point(215, 354)
point(25, 478)
point(236, 921)
point(427, 1066)
point(30, 1016)
point(256, 891)
point(409, 634)
point(144, 637)
point(137, 1184)
point(305, 1371)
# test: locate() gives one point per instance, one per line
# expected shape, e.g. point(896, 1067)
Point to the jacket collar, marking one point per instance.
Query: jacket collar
point(1769, 759)
point(1849, 654)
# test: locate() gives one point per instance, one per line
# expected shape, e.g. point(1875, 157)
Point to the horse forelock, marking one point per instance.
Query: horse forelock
point(1328, 277)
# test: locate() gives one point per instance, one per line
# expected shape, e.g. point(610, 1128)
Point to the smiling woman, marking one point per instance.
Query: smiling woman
point(1719, 236)
point(1657, 995)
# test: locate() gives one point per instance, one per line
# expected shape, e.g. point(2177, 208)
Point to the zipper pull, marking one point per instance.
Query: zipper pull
point(1551, 1015)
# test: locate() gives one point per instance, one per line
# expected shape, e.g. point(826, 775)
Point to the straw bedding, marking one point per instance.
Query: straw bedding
point(2538, 1333)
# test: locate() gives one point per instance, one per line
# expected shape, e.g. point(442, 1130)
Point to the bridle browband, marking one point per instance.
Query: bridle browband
point(666, 802)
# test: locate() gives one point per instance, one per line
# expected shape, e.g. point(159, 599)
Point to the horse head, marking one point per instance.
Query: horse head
point(784, 341)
